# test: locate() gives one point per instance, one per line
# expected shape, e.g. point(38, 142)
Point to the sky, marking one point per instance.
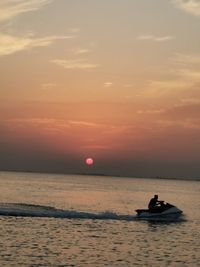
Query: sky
point(117, 81)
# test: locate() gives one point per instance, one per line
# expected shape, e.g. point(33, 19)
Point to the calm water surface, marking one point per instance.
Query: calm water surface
point(29, 241)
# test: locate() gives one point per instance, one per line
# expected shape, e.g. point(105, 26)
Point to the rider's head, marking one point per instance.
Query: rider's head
point(156, 196)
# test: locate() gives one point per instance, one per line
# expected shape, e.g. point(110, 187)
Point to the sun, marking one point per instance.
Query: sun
point(89, 161)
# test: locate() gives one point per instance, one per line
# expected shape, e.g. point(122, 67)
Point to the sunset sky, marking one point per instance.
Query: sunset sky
point(114, 80)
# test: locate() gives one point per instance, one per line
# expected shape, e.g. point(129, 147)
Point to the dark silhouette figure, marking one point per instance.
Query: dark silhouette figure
point(155, 204)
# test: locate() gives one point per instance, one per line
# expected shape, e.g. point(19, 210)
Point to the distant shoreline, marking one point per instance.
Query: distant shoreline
point(106, 175)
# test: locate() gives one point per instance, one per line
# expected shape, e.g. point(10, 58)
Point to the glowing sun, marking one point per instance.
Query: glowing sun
point(89, 161)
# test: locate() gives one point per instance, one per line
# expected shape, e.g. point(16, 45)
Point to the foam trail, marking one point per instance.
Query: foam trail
point(28, 210)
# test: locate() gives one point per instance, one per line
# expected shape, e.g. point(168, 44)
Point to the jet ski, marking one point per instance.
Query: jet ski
point(164, 210)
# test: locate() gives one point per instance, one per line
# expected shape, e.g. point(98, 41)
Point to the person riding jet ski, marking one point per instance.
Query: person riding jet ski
point(155, 205)
point(158, 208)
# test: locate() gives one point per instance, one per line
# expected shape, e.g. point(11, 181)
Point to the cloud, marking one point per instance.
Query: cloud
point(98, 147)
point(155, 38)
point(150, 111)
point(187, 67)
point(84, 123)
point(128, 85)
point(190, 100)
point(186, 115)
point(81, 51)
point(189, 6)
point(48, 85)
point(108, 84)
point(74, 30)
point(163, 87)
point(59, 123)
point(78, 51)
point(12, 8)
point(82, 64)
point(186, 59)
point(182, 78)
point(30, 125)
point(11, 44)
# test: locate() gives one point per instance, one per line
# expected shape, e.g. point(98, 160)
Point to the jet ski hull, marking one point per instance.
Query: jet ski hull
point(166, 210)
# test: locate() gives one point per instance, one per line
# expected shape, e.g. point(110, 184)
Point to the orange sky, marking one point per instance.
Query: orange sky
point(116, 81)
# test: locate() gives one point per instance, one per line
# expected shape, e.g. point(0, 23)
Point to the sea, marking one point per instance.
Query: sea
point(84, 220)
